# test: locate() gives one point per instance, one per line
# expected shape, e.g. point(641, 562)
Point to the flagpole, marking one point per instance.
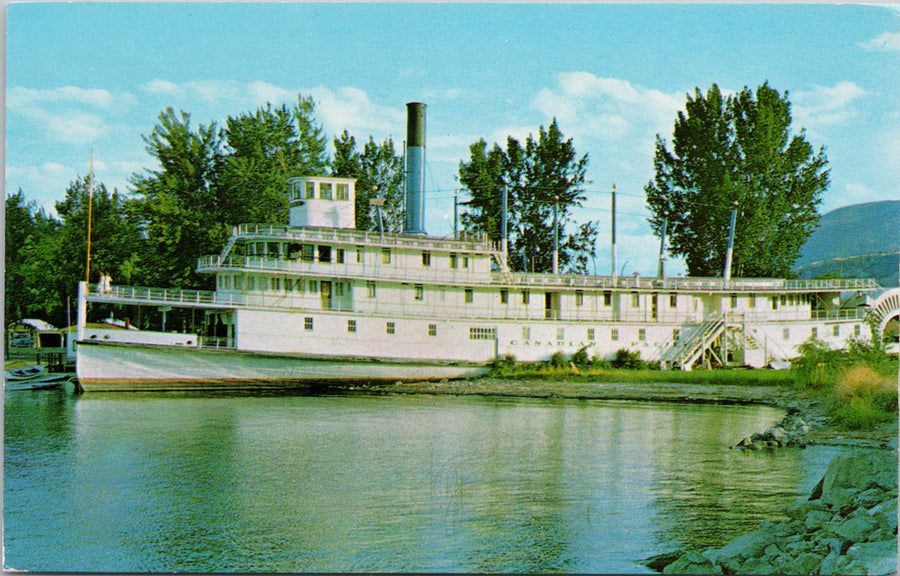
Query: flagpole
point(87, 274)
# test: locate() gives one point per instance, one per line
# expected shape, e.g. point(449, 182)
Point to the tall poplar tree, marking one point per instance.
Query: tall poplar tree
point(378, 170)
point(544, 174)
point(737, 153)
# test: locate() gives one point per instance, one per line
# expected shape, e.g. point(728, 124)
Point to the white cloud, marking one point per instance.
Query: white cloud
point(351, 109)
point(608, 109)
point(885, 42)
point(20, 97)
point(826, 105)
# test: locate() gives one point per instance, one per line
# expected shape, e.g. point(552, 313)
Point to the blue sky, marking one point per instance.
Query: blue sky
point(85, 77)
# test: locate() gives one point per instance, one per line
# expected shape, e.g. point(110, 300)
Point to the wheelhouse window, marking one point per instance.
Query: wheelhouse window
point(342, 191)
point(325, 254)
point(310, 190)
point(325, 190)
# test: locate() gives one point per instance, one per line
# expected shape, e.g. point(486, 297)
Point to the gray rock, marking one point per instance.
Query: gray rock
point(756, 566)
point(860, 471)
point(886, 515)
point(804, 564)
point(691, 563)
point(875, 557)
point(815, 519)
point(870, 497)
point(856, 529)
point(833, 564)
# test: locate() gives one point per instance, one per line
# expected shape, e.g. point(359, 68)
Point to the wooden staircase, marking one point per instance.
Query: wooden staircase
point(690, 348)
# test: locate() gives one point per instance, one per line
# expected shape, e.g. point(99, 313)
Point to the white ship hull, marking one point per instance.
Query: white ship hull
point(107, 367)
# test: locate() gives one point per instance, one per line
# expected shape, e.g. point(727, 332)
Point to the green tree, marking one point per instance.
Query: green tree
point(544, 174)
point(737, 151)
point(26, 226)
point(379, 174)
point(178, 203)
point(263, 150)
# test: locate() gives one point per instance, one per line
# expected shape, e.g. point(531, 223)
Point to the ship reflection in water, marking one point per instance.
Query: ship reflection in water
point(279, 483)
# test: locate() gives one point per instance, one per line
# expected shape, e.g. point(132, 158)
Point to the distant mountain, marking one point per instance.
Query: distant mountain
point(857, 241)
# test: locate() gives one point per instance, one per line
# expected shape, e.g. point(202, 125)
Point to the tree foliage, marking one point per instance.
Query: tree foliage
point(378, 170)
point(737, 151)
point(546, 171)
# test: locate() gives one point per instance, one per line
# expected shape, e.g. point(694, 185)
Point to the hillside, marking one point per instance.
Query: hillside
point(857, 241)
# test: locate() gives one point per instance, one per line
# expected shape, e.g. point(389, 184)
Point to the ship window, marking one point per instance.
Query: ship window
point(325, 190)
point(504, 296)
point(774, 300)
point(275, 284)
point(607, 298)
point(251, 283)
point(733, 301)
point(419, 291)
point(272, 249)
point(526, 333)
point(432, 329)
point(856, 330)
point(351, 325)
point(469, 296)
point(635, 299)
point(390, 328)
point(783, 299)
point(426, 258)
point(836, 331)
point(465, 262)
point(370, 289)
point(308, 253)
point(525, 297)
point(338, 288)
point(308, 323)
point(579, 297)
point(614, 334)
point(590, 334)
point(453, 259)
point(288, 285)
point(751, 301)
point(313, 286)
point(815, 332)
point(310, 189)
point(293, 251)
point(676, 333)
point(482, 333)
point(359, 254)
point(385, 255)
point(673, 300)
point(324, 253)
point(642, 334)
point(342, 191)
point(560, 333)
point(786, 334)
point(339, 258)
point(298, 285)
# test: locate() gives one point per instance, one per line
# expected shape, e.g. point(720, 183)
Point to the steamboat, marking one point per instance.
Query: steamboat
point(318, 301)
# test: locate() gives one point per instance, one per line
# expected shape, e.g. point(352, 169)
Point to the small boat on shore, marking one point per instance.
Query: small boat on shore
point(33, 378)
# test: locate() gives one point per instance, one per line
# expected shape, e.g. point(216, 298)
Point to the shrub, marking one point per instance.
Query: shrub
point(580, 358)
point(507, 362)
point(558, 360)
point(861, 412)
point(598, 361)
point(627, 359)
point(818, 365)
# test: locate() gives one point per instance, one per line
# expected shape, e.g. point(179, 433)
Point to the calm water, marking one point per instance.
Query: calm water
point(189, 482)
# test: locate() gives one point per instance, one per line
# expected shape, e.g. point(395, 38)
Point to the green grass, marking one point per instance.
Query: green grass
point(543, 371)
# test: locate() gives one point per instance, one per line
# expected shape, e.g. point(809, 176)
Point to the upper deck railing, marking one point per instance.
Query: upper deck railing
point(687, 284)
point(479, 243)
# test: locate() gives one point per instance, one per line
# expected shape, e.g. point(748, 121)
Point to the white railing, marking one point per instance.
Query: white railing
point(478, 243)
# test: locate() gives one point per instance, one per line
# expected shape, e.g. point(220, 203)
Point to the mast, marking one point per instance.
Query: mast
point(87, 273)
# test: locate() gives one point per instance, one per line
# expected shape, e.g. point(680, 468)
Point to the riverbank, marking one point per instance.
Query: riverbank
point(810, 408)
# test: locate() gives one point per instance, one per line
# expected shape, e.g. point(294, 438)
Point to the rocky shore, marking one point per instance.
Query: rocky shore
point(847, 526)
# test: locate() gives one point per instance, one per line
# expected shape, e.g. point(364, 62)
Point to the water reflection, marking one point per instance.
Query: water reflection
point(215, 482)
